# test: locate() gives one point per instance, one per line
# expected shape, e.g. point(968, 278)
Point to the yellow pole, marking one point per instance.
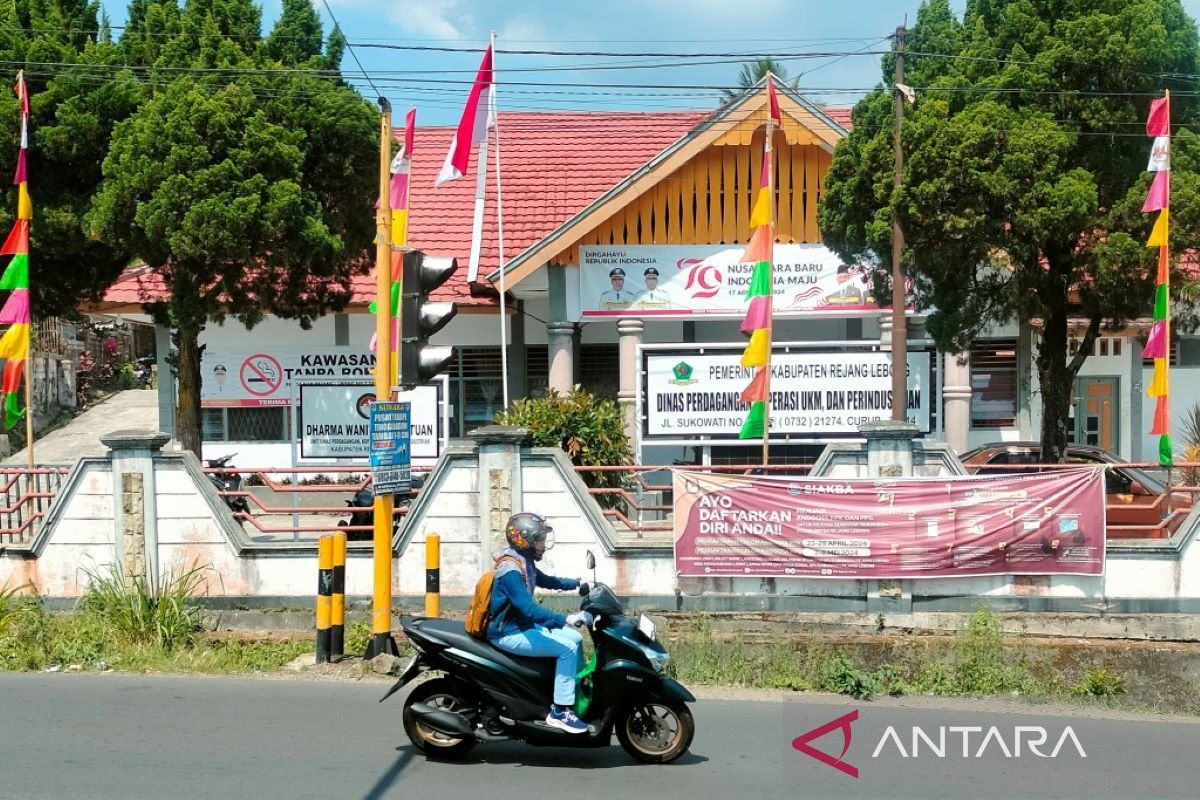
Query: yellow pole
point(337, 604)
point(324, 590)
point(381, 618)
point(433, 579)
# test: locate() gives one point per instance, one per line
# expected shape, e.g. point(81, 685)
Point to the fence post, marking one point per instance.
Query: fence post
point(433, 579)
point(337, 639)
point(324, 595)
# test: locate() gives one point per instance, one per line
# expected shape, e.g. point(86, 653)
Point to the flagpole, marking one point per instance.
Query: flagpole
point(500, 236)
point(767, 150)
point(1166, 246)
point(29, 407)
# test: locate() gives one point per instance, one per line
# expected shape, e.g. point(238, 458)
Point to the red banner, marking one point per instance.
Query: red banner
point(755, 526)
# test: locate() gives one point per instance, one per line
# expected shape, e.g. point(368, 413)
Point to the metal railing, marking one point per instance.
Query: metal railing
point(641, 506)
point(300, 501)
point(28, 495)
point(637, 499)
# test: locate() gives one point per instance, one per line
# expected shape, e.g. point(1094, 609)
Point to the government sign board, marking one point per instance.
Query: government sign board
point(334, 419)
point(267, 376)
point(688, 281)
point(689, 394)
point(389, 429)
point(784, 527)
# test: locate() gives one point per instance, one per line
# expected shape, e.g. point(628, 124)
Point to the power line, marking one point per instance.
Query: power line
point(354, 55)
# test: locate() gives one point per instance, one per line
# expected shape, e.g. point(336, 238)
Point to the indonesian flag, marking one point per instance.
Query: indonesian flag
point(773, 102)
point(473, 127)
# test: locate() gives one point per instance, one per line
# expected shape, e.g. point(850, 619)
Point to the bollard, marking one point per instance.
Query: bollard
point(324, 595)
point(433, 580)
point(337, 605)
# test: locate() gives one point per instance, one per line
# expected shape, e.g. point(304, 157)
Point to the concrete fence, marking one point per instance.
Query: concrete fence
point(152, 512)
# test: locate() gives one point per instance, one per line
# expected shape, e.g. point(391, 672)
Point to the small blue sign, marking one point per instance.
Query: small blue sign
point(390, 430)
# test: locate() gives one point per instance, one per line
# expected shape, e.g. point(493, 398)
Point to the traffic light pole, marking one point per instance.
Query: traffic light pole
point(381, 618)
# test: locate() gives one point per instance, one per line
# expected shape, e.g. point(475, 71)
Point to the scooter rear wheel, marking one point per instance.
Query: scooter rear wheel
point(443, 695)
point(656, 733)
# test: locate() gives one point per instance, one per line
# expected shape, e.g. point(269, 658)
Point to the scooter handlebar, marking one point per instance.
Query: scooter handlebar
point(584, 589)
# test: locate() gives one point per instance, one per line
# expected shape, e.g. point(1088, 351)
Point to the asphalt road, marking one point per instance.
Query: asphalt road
point(115, 736)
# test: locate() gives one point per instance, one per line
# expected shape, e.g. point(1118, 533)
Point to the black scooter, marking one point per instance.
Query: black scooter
point(228, 482)
point(481, 694)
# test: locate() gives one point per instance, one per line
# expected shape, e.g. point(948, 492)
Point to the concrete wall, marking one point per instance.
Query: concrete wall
point(471, 492)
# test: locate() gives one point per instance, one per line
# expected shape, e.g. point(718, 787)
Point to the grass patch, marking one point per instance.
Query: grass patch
point(977, 662)
point(123, 624)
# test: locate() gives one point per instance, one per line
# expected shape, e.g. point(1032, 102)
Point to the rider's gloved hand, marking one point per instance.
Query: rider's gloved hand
point(579, 619)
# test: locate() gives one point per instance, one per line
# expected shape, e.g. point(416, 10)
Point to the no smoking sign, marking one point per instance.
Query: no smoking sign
point(261, 375)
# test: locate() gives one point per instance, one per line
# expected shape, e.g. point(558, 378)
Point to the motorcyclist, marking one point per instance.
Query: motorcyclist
point(522, 627)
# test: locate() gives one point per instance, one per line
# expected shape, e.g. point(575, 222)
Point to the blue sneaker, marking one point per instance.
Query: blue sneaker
point(566, 720)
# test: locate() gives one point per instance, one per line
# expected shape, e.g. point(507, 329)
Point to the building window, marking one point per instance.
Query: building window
point(212, 424)
point(245, 424)
point(994, 384)
point(600, 369)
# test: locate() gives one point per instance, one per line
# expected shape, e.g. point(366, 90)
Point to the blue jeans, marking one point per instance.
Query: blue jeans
point(564, 644)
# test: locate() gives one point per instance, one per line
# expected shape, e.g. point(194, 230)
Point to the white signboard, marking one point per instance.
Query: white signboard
point(334, 419)
point(265, 376)
point(694, 280)
point(813, 394)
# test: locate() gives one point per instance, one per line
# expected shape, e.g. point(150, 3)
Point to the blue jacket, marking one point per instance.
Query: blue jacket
point(513, 608)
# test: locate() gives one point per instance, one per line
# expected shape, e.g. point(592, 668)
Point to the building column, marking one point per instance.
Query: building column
point(956, 401)
point(560, 333)
point(166, 380)
point(629, 333)
point(518, 369)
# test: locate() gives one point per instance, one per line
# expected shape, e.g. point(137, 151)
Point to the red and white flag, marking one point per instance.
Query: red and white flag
point(477, 118)
point(773, 102)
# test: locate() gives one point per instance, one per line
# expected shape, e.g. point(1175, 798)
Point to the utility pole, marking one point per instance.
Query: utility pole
point(899, 293)
point(381, 617)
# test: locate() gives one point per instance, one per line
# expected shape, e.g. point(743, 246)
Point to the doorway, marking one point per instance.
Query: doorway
point(1097, 412)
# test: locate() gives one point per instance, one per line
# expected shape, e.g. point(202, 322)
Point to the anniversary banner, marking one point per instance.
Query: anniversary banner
point(686, 394)
point(681, 281)
point(780, 527)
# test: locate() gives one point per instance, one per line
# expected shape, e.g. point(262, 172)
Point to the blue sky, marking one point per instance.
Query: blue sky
point(613, 26)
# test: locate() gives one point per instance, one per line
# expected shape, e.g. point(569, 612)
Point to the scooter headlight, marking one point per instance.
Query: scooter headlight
point(657, 658)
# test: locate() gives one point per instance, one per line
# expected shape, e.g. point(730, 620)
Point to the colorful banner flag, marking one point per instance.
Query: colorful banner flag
point(1158, 344)
point(473, 127)
point(14, 344)
point(758, 323)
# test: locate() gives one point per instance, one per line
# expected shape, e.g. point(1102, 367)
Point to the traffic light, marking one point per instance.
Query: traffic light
point(420, 319)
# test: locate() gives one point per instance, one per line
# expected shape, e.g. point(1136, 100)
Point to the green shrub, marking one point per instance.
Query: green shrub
point(588, 429)
point(982, 664)
point(10, 607)
point(843, 675)
point(358, 636)
point(125, 378)
point(1099, 682)
point(166, 618)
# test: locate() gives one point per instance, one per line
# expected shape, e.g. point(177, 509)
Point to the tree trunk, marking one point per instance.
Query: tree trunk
point(187, 414)
point(1056, 372)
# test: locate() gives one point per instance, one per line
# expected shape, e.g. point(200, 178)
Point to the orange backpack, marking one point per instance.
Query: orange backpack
point(479, 612)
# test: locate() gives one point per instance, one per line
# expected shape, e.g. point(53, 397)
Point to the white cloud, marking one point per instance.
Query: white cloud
point(435, 19)
point(523, 28)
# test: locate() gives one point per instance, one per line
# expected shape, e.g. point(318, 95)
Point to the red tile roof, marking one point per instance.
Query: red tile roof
point(553, 165)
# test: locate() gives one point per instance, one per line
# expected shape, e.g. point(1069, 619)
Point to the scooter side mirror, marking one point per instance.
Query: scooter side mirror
point(591, 560)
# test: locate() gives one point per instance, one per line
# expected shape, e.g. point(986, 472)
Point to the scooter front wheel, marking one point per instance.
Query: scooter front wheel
point(656, 733)
point(443, 695)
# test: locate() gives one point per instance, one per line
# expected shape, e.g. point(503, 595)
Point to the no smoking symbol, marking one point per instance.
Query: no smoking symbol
point(261, 375)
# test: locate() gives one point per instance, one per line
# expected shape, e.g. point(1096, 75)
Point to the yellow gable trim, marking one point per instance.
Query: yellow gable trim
point(734, 127)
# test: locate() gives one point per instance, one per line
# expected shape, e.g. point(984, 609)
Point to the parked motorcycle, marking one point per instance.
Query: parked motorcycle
point(363, 503)
point(482, 694)
point(228, 482)
point(143, 372)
